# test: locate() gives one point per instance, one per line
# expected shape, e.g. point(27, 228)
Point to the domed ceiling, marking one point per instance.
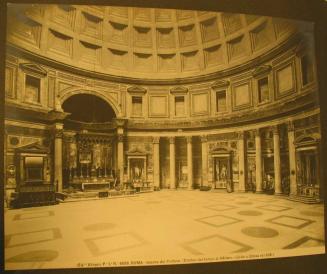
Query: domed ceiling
point(143, 42)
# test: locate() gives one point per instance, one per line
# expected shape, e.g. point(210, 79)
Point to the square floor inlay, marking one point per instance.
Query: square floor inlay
point(113, 243)
point(214, 244)
point(221, 207)
point(32, 237)
point(290, 221)
point(275, 208)
point(33, 215)
point(218, 220)
point(306, 242)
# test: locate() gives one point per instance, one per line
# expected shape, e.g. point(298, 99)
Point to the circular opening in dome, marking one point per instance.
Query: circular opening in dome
point(88, 109)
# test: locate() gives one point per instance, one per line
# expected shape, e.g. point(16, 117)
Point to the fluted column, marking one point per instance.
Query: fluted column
point(277, 169)
point(172, 164)
point(156, 162)
point(241, 162)
point(120, 156)
point(189, 162)
point(292, 159)
point(204, 154)
point(58, 132)
point(258, 161)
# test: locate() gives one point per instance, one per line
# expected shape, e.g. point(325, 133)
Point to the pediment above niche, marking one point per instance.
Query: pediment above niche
point(261, 70)
point(34, 69)
point(136, 89)
point(136, 151)
point(33, 148)
point(220, 84)
point(179, 90)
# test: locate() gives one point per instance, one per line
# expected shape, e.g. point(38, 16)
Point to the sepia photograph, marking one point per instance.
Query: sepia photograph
point(145, 135)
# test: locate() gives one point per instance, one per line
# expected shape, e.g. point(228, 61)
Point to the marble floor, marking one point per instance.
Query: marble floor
point(164, 227)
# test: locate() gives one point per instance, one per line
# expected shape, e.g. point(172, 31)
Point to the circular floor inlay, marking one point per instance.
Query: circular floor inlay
point(250, 213)
point(260, 232)
point(99, 226)
point(34, 256)
point(311, 213)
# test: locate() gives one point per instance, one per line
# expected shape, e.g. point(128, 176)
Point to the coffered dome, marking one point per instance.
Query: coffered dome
point(144, 43)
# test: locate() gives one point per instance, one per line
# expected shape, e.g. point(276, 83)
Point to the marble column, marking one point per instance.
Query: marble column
point(156, 162)
point(277, 169)
point(120, 156)
point(292, 159)
point(58, 132)
point(204, 154)
point(189, 162)
point(258, 162)
point(172, 164)
point(241, 162)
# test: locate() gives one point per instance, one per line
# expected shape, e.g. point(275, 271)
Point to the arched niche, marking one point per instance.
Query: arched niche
point(111, 101)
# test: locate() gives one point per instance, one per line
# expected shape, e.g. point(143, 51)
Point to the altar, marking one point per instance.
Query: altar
point(89, 162)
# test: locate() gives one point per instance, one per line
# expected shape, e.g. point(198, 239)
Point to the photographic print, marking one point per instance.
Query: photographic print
point(151, 136)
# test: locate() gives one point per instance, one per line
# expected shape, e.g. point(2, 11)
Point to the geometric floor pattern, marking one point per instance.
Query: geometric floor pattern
point(161, 227)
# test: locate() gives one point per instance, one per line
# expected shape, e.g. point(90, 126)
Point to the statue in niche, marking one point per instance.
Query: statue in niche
point(217, 170)
point(137, 169)
point(223, 173)
point(137, 172)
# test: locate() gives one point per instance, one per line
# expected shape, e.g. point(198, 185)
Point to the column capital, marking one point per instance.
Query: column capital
point(275, 129)
point(171, 140)
point(189, 139)
point(120, 122)
point(68, 139)
point(290, 126)
point(204, 138)
point(58, 133)
point(120, 137)
point(257, 132)
point(240, 135)
point(156, 139)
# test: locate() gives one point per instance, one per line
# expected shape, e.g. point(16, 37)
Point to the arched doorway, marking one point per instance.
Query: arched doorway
point(89, 148)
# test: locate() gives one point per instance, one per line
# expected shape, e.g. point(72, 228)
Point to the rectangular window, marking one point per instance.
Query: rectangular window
point(32, 89)
point(263, 89)
point(179, 106)
point(307, 70)
point(221, 101)
point(137, 106)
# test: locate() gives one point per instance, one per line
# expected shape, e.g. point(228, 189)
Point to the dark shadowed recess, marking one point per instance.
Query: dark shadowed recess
point(88, 108)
